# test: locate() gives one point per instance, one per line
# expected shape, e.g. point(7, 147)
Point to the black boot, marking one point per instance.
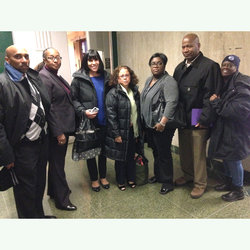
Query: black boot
point(236, 194)
point(225, 186)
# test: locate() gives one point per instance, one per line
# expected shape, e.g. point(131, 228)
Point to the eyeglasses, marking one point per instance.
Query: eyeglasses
point(52, 58)
point(156, 63)
point(126, 75)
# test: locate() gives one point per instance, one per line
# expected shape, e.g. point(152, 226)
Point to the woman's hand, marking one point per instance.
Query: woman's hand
point(11, 165)
point(159, 127)
point(90, 115)
point(213, 97)
point(118, 139)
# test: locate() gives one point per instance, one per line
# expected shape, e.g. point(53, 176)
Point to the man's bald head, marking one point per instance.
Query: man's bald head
point(190, 46)
point(17, 57)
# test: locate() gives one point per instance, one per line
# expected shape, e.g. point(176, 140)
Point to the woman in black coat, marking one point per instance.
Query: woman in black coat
point(123, 124)
point(230, 138)
point(89, 88)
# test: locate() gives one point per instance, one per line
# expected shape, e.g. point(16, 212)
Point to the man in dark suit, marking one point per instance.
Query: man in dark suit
point(24, 105)
point(61, 122)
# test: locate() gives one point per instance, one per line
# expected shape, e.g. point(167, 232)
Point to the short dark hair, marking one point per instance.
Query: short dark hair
point(114, 77)
point(91, 54)
point(44, 52)
point(161, 55)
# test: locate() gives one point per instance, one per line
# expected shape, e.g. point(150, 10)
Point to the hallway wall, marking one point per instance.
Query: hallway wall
point(135, 49)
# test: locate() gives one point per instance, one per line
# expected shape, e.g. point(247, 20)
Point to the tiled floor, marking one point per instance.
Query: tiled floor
point(141, 202)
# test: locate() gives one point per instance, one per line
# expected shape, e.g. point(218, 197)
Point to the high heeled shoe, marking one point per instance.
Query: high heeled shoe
point(122, 187)
point(132, 184)
point(96, 189)
point(106, 186)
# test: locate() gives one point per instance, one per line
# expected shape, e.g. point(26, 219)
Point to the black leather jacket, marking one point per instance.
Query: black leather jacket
point(15, 104)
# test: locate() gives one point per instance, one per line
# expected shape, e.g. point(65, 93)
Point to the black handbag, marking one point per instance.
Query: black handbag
point(141, 170)
point(179, 117)
point(8, 178)
point(86, 137)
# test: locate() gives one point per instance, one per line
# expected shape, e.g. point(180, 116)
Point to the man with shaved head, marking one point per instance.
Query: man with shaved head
point(24, 104)
point(198, 77)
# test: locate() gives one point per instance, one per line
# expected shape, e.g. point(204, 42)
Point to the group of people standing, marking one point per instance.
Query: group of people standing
point(29, 101)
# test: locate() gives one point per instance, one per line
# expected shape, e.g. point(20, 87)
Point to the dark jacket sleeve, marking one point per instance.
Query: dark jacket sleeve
point(53, 120)
point(236, 108)
point(212, 84)
point(6, 151)
point(112, 112)
point(75, 90)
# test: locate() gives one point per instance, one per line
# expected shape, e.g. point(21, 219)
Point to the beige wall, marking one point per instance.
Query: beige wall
point(135, 49)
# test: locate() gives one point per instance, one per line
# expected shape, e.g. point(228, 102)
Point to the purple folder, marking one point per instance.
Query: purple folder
point(195, 116)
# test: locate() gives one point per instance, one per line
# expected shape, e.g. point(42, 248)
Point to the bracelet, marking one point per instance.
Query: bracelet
point(163, 125)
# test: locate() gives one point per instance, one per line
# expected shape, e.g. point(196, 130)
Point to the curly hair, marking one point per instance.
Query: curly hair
point(114, 77)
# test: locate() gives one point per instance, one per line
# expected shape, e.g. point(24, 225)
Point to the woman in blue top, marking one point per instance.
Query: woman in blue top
point(89, 89)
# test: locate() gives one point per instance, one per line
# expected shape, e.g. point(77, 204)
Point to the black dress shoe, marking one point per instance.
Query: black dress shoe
point(233, 195)
point(49, 217)
point(69, 207)
point(96, 189)
point(152, 180)
point(165, 189)
point(223, 187)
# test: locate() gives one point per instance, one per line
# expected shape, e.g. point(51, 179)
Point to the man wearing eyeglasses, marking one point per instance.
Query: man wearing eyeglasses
point(198, 78)
point(24, 105)
point(61, 122)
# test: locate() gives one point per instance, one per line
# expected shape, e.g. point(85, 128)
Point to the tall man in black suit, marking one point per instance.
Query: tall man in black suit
point(24, 104)
point(61, 122)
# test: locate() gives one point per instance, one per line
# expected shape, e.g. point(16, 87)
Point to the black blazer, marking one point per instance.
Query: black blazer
point(61, 118)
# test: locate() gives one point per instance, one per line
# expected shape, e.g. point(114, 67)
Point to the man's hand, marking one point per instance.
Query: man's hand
point(61, 139)
point(11, 165)
point(198, 125)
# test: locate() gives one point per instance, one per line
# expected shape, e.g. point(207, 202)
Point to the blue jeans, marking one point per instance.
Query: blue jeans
point(234, 170)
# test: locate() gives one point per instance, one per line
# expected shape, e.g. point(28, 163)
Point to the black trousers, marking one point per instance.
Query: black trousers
point(58, 188)
point(102, 160)
point(30, 167)
point(160, 142)
point(125, 170)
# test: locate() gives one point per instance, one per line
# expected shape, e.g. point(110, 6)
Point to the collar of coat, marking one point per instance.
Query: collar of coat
point(195, 63)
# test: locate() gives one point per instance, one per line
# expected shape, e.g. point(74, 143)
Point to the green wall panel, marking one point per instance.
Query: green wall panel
point(5, 41)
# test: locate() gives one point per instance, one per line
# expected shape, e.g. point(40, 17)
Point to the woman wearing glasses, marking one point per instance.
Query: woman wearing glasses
point(160, 86)
point(61, 122)
point(123, 124)
point(89, 88)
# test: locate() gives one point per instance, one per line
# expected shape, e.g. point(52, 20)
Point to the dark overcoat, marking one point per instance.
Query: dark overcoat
point(230, 137)
point(118, 109)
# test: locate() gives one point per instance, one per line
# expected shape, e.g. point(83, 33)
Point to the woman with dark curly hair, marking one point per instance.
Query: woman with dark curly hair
point(123, 124)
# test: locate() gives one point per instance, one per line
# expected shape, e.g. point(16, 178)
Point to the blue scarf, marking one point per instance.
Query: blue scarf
point(14, 74)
